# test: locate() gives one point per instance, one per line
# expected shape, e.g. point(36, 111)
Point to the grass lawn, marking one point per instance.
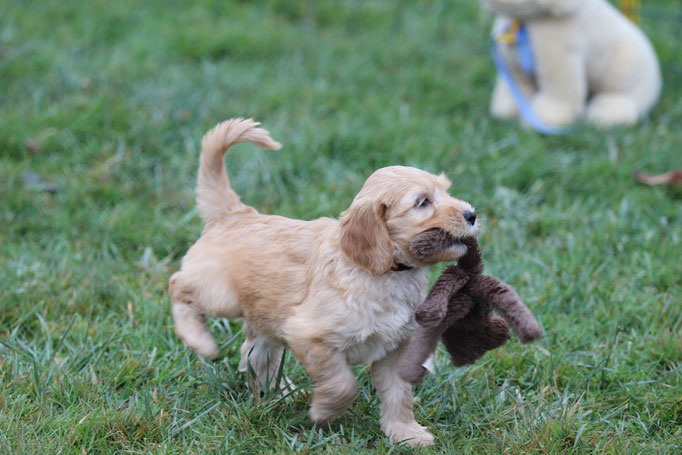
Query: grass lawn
point(102, 107)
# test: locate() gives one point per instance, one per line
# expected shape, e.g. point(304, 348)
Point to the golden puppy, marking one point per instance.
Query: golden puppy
point(336, 292)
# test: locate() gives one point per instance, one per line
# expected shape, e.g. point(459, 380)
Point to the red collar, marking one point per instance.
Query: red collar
point(400, 267)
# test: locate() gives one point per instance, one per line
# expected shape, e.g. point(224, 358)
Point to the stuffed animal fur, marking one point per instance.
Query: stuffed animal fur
point(458, 310)
point(590, 61)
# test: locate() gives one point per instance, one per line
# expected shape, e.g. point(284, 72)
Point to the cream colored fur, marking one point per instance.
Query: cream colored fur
point(591, 62)
point(323, 288)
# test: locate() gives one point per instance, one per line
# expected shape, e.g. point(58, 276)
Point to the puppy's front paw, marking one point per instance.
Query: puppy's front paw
point(554, 112)
point(323, 415)
point(502, 106)
point(607, 110)
point(411, 434)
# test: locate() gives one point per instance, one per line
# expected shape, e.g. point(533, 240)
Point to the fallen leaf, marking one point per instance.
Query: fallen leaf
point(32, 146)
point(670, 178)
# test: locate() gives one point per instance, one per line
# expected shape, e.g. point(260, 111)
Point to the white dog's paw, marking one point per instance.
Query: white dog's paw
point(605, 110)
point(412, 434)
point(502, 105)
point(554, 112)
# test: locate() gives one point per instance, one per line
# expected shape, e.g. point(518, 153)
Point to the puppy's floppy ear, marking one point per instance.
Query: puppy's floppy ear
point(444, 180)
point(364, 236)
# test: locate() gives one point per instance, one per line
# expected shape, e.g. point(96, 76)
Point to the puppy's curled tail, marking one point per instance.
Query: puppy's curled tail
point(215, 197)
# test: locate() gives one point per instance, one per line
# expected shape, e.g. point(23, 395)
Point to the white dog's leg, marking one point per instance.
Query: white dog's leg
point(612, 109)
point(502, 104)
point(555, 111)
point(264, 356)
point(397, 420)
point(560, 73)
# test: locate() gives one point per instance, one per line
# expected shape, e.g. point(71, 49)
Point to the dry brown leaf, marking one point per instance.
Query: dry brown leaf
point(33, 147)
point(670, 178)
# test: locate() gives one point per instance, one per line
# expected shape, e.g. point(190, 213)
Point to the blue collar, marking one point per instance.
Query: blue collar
point(524, 51)
point(517, 35)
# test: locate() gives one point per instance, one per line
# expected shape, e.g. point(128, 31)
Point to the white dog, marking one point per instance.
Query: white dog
point(335, 292)
point(589, 61)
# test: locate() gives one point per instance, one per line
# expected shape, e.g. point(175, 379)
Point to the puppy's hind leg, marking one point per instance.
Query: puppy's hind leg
point(612, 109)
point(190, 322)
point(262, 357)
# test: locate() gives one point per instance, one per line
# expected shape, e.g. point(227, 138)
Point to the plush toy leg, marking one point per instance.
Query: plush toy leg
point(426, 337)
point(461, 307)
point(498, 332)
point(470, 338)
point(422, 345)
point(437, 304)
point(611, 109)
point(503, 299)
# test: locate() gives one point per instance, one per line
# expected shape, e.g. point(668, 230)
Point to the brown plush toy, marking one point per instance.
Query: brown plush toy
point(459, 308)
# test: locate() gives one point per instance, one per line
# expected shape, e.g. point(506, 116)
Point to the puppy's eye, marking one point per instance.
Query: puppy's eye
point(422, 202)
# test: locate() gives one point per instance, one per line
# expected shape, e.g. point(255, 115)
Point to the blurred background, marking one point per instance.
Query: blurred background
point(102, 108)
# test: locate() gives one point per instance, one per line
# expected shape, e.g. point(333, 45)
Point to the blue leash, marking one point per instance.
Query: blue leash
point(527, 63)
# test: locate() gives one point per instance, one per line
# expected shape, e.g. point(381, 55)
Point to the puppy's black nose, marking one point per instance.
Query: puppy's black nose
point(470, 217)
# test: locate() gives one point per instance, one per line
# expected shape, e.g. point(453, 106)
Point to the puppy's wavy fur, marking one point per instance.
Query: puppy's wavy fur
point(324, 288)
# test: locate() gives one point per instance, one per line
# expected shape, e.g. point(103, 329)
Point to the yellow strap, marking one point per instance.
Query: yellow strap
point(509, 37)
point(631, 9)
